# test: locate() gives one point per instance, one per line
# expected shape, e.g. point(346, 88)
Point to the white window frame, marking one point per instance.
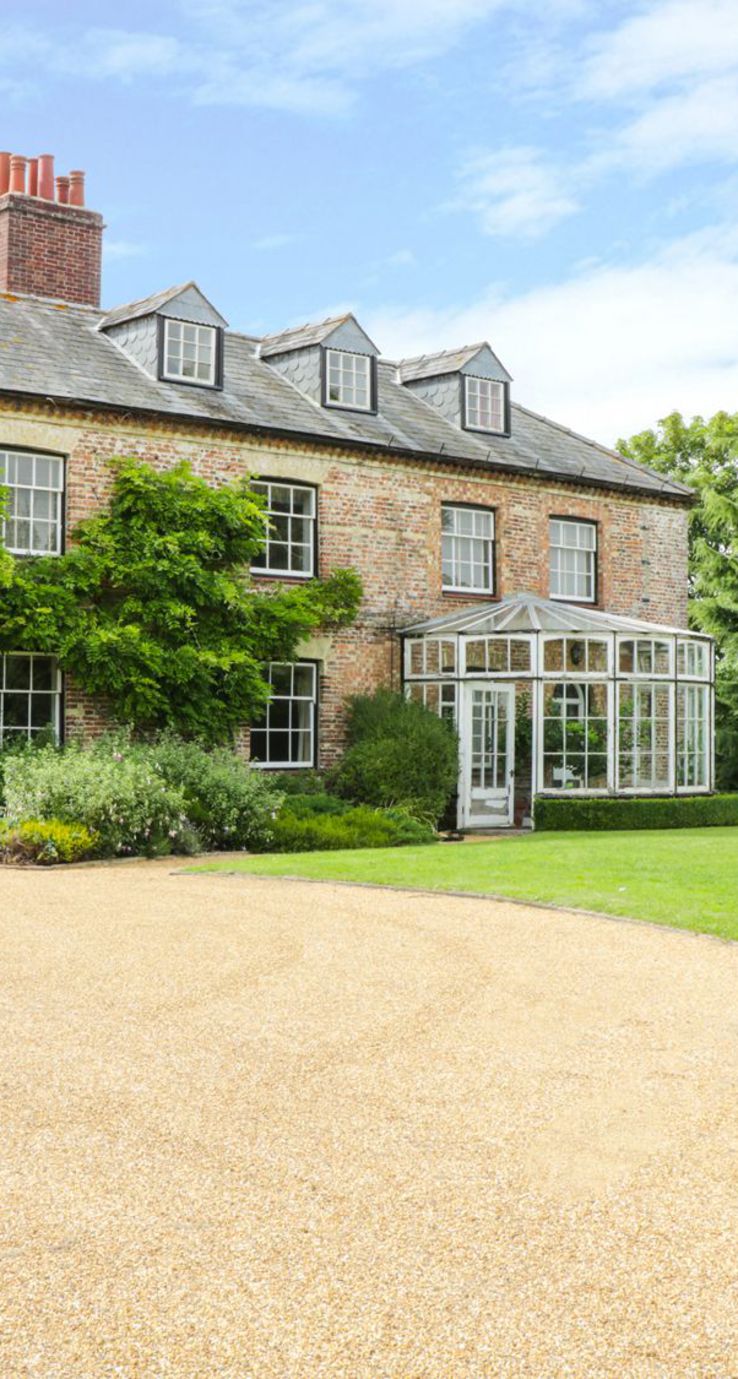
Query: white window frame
point(639, 643)
point(636, 685)
point(575, 691)
point(485, 396)
point(581, 524)
point(436, 656)
point(12, 733)
point(585, 670)
point(689, 650)
point(12, 488)
point(200, 334)
point(350, 376)
point(272, 763)
point(311, 517)
point(498, 655)
point(690, 722)
point(445, 693)
point(451, 548)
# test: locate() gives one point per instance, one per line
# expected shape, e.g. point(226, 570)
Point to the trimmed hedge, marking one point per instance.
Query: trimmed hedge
point(685, 811)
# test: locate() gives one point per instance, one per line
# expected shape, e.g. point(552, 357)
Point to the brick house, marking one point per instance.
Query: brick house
point(514, 572)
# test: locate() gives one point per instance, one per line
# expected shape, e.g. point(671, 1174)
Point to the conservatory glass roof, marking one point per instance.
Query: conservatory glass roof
point(529, 613)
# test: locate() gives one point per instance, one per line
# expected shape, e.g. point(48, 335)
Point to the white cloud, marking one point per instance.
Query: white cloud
point(514, 191)
point(698, 125)
point(667, 42)
point(612, 348)
point(287, 54)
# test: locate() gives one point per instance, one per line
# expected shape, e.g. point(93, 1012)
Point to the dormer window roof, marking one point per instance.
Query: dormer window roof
point(331, 331)
point(334, 362)
point(470, 386)
point(175, 335)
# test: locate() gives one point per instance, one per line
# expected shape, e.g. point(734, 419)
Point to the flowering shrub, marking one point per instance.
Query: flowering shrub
point(46, 841)
point(112, 789)
point(228, 802)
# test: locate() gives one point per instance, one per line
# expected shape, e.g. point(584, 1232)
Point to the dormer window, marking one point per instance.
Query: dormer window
point(484, 405)
point(190, 353)
point(349, 380)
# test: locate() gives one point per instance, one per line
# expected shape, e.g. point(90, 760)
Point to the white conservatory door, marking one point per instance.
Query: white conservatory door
point(488, 756)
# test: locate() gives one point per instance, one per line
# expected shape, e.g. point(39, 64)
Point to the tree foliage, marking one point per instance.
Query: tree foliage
point(704, 455)
point(152, 607)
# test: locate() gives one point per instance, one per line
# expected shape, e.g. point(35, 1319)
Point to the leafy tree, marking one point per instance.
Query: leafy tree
point(152, 607)
point(704, 455)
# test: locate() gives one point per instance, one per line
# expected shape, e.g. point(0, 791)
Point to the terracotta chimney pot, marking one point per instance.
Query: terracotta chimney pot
point(4, 173)
point(76, 187)
point(17, 173)
point(62, 190)
point(33, 176)
point(46, 176)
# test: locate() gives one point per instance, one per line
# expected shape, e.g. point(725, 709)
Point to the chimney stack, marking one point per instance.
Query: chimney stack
point(50, 243)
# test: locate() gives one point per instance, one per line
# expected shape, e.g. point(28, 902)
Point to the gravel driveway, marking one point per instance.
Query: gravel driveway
point(257, 1128)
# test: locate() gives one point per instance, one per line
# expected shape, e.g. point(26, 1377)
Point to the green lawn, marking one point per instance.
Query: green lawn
point(685, 877)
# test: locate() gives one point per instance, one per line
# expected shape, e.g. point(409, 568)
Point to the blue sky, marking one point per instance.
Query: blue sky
point(565, 186)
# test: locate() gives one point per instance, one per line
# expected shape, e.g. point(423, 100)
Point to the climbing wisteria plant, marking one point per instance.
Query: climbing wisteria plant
point(153, 609)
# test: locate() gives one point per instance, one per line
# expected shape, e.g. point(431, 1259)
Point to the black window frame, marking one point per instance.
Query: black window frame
point(451, 591)
point(164, 377)
point(371, 410)
point(482, 430)
point(582, 522)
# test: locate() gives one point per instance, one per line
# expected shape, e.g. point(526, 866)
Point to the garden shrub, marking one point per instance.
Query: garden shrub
point(399, 753)
point(112, 789)
point(686, 811)
point(298, 782)
point(354, 827)
point(46, 841)
point(228, 802)
point(309, 806)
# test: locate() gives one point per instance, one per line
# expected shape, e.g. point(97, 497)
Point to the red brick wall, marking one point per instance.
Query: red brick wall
point(50, 250)
point(384, 517)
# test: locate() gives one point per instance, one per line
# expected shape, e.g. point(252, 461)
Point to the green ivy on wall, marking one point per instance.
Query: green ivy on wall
point(152, 606)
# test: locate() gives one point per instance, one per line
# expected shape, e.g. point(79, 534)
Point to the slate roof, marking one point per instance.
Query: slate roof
point(145, 306)
point(53, 350)
point(435, 365)
point(299, 336)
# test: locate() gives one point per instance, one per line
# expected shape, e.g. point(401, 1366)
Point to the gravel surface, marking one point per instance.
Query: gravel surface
point(259, 1129)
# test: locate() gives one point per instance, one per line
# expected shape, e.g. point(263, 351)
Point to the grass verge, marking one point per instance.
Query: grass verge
point(684, 877)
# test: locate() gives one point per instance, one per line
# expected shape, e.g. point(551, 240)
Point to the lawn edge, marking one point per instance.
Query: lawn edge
point(461, 895)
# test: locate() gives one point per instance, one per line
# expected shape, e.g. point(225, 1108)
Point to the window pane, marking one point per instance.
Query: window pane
point(17, 672)
point(572, 556)
point(189, 351)
point(467, 549)
point(349, 379)
point(33, 522)
point(290, 515)
point(285, 735)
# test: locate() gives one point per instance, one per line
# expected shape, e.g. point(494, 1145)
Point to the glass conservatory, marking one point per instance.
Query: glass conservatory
point(550, 699)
